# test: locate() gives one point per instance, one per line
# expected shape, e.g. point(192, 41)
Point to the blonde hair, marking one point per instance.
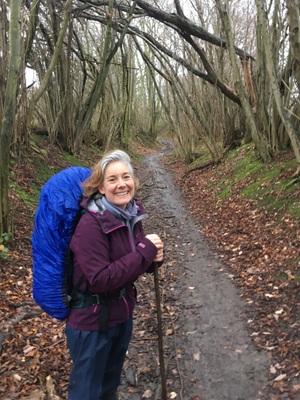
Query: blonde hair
point(90, 185)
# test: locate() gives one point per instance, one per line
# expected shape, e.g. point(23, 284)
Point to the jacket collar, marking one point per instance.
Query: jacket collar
point(108, 221)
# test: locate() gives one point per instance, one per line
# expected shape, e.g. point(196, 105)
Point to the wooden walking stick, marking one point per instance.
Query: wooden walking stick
point(160, 337)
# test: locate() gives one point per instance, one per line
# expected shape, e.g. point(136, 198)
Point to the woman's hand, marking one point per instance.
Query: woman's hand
point(159, 256)
point(156, 240)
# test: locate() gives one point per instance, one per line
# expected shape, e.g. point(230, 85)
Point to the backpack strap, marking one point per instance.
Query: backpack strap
point(69, 262)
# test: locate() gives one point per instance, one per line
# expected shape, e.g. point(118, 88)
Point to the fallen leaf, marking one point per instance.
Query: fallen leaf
point(28, 349)
point(147, 394)
point(280, 377)
point(279, 311)
point(17, 377)
point(273, 370)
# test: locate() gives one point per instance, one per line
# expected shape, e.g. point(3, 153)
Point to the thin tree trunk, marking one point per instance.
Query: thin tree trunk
point(4, 46)
point(127, 79)
point(10, 103)
point(33, 20)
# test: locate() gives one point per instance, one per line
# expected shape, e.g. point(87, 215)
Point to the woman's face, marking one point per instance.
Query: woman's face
point(118, 184)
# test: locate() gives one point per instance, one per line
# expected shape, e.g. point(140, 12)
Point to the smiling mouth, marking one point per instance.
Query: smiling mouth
point(122, 194)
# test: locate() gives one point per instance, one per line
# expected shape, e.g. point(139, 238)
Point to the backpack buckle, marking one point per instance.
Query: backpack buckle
point(95, 299)
point(122, 293)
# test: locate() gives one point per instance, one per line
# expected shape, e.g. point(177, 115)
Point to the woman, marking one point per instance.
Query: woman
point(110, 252)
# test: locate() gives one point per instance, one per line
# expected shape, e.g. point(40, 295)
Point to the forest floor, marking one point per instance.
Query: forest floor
point(229, 291)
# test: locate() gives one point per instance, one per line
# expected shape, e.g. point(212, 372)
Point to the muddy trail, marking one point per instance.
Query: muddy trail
point(208, 351)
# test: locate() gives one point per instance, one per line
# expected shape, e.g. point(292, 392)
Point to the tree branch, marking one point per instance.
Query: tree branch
point(184, 24)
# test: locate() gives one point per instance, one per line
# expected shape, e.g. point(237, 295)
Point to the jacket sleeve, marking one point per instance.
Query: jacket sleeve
point(93, 255)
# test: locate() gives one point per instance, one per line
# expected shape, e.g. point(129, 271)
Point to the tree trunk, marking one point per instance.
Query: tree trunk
point(293, 7)
point(127, 79)
point(259, 140)
point(294, 138)
point(4, 27)
point(10, 103)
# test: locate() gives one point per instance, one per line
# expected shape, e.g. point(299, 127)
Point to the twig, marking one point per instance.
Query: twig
point(54, 344)
point(22, 304)
point(200, 167)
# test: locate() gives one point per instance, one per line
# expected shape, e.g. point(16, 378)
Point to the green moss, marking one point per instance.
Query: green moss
point(294, 208)
point(244, 151)
point(270, 184)
point(30, 199)
point(202, 156)
point(225, 192)
point(272, 190)
point(44, 173)
point(73, 160)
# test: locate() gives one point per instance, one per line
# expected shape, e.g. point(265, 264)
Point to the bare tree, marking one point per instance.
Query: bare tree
point(259, 140)
point(55, 56)
point(110, 48)
point(271, 68)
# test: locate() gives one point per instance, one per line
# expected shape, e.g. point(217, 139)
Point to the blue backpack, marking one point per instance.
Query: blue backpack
point(55, 220)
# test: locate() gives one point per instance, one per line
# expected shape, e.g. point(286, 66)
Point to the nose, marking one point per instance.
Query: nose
point(121, 182)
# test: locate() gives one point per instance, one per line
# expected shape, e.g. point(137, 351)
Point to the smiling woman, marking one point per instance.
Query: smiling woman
point(110, 251)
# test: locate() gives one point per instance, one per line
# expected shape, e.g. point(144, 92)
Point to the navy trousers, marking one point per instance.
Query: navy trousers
point(98, 359)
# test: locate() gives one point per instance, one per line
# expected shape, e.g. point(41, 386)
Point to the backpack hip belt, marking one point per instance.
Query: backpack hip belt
point(83, 300)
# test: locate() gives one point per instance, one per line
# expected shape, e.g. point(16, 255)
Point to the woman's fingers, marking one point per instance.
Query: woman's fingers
point(155, 239)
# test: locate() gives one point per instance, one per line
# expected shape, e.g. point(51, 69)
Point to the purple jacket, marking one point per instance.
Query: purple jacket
point(106, 262)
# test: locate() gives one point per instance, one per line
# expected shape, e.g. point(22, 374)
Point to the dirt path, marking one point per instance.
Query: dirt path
point(208, 352)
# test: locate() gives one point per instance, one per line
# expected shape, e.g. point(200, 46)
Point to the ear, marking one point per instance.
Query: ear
point(101, 189)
